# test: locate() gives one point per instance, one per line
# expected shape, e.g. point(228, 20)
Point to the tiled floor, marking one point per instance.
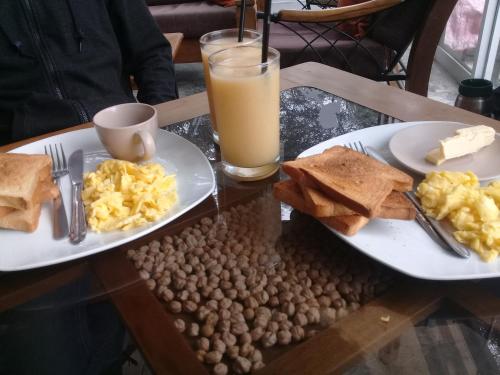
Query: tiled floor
point(189, 78)
point(442, 87)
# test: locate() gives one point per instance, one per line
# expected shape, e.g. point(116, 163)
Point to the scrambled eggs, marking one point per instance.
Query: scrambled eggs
point(124, 195)
point(473, 210)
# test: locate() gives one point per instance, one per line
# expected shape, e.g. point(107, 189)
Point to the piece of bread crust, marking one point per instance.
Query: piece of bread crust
point(45, 191)
point(20, 175)
point(23, 220)
point(362, 195)
point(347, 191)
point(320, 205)
point(395, 206)
point(27, 219)
point(289, 192)
point(5, 211)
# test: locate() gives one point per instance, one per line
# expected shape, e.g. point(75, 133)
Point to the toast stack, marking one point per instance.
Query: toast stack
point(345, 189)
point(25, 183)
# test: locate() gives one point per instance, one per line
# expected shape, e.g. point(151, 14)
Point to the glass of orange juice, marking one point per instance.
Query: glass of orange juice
point(246, 99)
point(216, 41)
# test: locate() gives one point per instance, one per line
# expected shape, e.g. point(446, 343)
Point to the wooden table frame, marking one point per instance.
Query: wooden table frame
point(333, 349)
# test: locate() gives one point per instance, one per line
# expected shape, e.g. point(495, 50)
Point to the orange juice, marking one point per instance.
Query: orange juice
point(246, 100)
point(214, 42)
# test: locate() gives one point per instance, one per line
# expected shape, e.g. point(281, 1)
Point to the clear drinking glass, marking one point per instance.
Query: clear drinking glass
point(246, 99)
point(216, 41)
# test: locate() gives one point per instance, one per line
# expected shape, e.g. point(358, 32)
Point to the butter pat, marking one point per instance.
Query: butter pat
point(435, 156)
point(466, 141)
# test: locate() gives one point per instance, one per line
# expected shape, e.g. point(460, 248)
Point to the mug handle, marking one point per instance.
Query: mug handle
point(148, 143)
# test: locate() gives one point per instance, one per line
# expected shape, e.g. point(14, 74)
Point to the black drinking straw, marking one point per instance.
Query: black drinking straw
point(267, 24)
point(243, 7)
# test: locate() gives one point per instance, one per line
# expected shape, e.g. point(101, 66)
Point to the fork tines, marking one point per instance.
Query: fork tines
point(58, 162)
point(356, 146)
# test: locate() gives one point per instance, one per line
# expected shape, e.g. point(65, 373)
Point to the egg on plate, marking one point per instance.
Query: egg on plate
point(124, 195)
point(474, 211)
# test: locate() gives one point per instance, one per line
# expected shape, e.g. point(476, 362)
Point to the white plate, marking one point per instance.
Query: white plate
point(195, 182)
point(403, 245)
point(410, 145)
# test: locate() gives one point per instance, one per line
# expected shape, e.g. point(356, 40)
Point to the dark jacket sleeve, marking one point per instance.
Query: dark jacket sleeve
point(147, 54)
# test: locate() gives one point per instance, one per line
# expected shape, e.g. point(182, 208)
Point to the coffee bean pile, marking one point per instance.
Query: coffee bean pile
point(246, 281)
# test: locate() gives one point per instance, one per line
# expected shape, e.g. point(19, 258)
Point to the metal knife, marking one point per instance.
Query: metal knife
point(78, 226)
point(430, 225)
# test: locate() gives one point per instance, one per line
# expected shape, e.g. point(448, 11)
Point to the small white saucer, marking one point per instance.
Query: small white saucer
point(410, 145)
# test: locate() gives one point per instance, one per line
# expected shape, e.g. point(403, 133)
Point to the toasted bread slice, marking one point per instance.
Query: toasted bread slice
point(25, 220)
point(289, 192)
point(6, 210)
point(20, 175)
point(367, 165)
point(361, 194)
point(349, 177)
point(45, 191)
point(395, 206)
point(320, 205)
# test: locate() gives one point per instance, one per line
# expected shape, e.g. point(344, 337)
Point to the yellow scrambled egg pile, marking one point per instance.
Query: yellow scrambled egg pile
point(124, 195)
point(473, 210)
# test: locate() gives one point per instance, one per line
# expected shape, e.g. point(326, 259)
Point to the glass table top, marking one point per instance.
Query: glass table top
point(308, 116)
point(243, 252)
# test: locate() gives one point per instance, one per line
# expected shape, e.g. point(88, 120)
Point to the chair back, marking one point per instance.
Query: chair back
point(371, 46)
point(421, 22)
point(395, 27)
point(425, 44)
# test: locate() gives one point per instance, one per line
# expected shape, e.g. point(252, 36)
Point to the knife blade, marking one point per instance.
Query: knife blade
point(429, 225)
point(78, 226)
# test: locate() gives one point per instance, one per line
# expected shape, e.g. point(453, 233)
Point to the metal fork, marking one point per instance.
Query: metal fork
point(430, 225)
point(59, 169)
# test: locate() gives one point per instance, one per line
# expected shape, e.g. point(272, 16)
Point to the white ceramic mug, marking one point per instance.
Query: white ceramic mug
point(128, 130)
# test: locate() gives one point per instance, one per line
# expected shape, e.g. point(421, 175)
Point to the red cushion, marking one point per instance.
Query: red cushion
point(356, 27)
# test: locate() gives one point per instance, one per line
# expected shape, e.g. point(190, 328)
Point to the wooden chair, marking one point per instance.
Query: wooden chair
point(338, 37)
